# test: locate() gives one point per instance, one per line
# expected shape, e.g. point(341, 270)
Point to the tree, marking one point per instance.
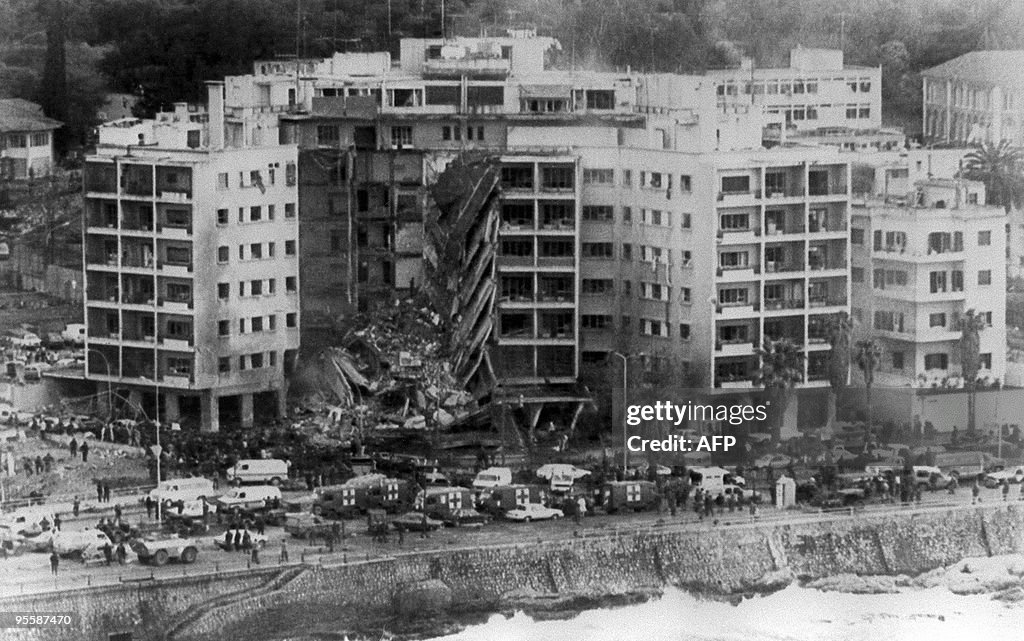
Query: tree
point(782, 367)
point(971, 325)
point(869, 357)
point(1001, 168)
point(839, 330)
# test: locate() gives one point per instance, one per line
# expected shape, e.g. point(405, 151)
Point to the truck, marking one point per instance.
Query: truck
point(158, 550)
point(964, 465)
point(373, 491)
point(629, 495)
point(499, 500)
point(261, 471)
point(438, 502)
point(492, 477)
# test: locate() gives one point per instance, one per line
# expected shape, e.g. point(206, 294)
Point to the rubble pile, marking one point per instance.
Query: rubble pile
point(391, 372)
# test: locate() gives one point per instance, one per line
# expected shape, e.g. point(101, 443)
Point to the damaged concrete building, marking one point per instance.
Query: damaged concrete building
point(552, 218)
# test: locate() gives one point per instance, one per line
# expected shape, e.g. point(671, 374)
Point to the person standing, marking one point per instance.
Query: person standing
point(76, 506)
point(54, 562)
point(122, 554)
point(975, 492)
point(117, 513)
point(106, 493)
point(99, 492)
point(85, 452)
point(73, 447)
point(255, 558)
point(149, 507)
point(284, 551)
point(228, 545)
point(39, 465)
point(1006, 490)
point(56, 522)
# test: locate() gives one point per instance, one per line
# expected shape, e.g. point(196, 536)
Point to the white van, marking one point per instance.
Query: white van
point(26, 521)
point(930, 477)
point(190, 489)
point(250, 497)
point(492, 477)
point(74, 334)
point(269, 470)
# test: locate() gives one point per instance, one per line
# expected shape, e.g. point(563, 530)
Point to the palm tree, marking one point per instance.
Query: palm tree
point(782, 367)
point(971, 325)
point(1001, 167)
point(839, 330)
point(869, 357)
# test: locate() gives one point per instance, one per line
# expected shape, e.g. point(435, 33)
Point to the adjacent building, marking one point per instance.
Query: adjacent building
point(191, 260)
point(924, 255)
point(26, 140)
point(978, 97)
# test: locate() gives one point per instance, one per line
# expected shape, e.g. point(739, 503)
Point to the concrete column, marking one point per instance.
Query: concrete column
point(281, 395)
point(172, 408)
point(245, 401)
point(210, 412)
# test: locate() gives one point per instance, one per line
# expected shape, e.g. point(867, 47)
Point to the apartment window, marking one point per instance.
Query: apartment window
point(241, 214)
point(241, 325)
point(857, 274)
point(958, 280)
point(479, 133)
point(241, 362)
point(684, 331)
point(271, 283)
point(627, 251)
point(223, 291)
point(270, 211)
point(595, 321)
point(987, 317)
point(592, 286)
point(327, 135)
point(446, 132)
point(224, 364)
point(256, 251)
point(241, 252)
point(272, 322)
point(897, 360)
point(651, 327)
point(729, 260)
point(937, 282)
point(222, 181)
point(735, 222)
point(289, 210)
point(290, 284)
point(627, 177)
point(241, 289)
point(685, 183)
point(937, 320)
point(557, 177)
point(984, 238)
point(597, 250)
point(598, 213)
point(735, 184)
point(270, 250)
point(857, 236)
point(289, 248)
point(655, 179)
point(223, 254)
point(255, 288)
point(687, 220)
point(654, 291)
point(851, 111)
point(687, 257)
point(656, 217)
point(985, 277)
point(255, 214)
point(222, 216)
point(256, 360)
point(401, 137)
point(290, 319)
point(598, 176)
point(627, 215)
point(223, 328)
point(733, 296)
point(627, 288)
point(257, 323)
point(936, 361)
point(685, 294)
point(986, 360)
point(273, 357)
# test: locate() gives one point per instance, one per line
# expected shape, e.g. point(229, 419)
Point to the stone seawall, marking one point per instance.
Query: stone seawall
point(723, 559)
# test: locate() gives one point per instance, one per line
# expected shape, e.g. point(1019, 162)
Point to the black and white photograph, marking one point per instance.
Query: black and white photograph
point(511, 320)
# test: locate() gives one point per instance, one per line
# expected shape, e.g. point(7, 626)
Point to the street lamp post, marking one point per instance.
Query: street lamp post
point(156, 449)
point(625, 390)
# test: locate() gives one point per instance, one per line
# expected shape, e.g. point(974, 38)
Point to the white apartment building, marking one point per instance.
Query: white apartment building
point(976, 97)
point(921, 260)
point(191, 263)
point(817, 96)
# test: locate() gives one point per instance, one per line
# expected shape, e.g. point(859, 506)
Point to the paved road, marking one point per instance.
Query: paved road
point(30, 573)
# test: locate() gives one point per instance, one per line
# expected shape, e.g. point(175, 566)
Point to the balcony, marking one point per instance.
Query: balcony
point(181, 270)
point(176, 344)
point(726, 348)
point(739, 198)
point(179, 381)
point(828, 301)
point(183, 306)
point(782, 268)
point(738, 236)
point(783, 304)
point(556, 261)
point(737, 311)
point(470, 66)
point(737, 274)
point(180, 197)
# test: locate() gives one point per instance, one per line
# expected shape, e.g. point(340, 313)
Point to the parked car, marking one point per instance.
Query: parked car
point(249, 497)
point(1010, 474)
point(304, 526)
point(533, 512)
point(415, 522)
point(465, 517)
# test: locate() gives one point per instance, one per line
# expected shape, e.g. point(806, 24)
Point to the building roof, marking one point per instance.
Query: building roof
point(17, 114)
point(992, 67)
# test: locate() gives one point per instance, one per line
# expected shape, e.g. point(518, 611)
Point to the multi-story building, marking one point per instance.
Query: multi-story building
point(921, 260)
point(638, 213)
point(976, 97)
point(191, 261)
point(816, 99)
point(26, 140)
